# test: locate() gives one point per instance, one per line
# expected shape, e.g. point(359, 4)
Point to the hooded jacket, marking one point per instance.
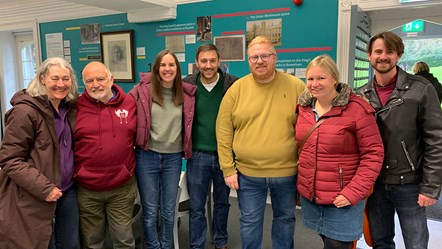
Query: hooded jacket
point(30, 169)
point(104, 141)
point(344, 154)
point(429, 76)
point(143, 97)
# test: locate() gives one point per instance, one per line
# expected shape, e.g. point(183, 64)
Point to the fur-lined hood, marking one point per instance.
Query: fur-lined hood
point(344, 91)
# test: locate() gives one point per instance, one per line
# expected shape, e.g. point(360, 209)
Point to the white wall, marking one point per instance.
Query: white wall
point(8, 68)
point(384, 15)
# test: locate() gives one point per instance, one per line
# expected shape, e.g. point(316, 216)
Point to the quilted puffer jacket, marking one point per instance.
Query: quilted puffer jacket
point(344, 154)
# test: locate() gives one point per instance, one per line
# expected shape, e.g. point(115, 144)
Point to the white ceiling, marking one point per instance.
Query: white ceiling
point(391, 16)
point(14, 13)
point(110, 4)
point(17, 13)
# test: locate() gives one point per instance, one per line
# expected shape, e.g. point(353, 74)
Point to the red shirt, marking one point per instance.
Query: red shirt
point(384, 92)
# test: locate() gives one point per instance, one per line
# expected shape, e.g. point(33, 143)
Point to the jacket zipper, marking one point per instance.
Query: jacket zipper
point(316, 171)
point(341, 181)
point(404, 147)
point(390, 105)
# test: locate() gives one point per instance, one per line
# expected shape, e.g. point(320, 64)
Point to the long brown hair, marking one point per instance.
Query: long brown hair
point(157, 94)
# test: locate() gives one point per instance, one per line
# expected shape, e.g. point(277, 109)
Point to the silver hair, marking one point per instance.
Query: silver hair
point(36, 87)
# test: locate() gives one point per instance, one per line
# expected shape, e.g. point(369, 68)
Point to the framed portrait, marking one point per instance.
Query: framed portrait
point(118, 55)
point(231, 48)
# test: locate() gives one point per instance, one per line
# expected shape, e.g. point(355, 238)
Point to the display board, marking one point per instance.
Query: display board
point(299, 33)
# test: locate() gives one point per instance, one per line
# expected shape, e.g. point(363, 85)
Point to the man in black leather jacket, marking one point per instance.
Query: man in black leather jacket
point(410, 122)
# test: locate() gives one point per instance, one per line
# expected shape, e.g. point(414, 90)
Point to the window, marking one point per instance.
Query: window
point(26, 55)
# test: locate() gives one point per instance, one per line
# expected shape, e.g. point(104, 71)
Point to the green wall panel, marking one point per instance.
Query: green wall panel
point(307, 31)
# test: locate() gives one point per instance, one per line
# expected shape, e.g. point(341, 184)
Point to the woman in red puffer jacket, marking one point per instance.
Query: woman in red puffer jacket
point(340, 160)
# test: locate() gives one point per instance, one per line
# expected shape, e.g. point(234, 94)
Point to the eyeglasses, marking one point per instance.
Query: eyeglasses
point(264, 57)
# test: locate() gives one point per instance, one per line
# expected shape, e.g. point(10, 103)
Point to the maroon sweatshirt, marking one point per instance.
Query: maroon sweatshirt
point(104, 141)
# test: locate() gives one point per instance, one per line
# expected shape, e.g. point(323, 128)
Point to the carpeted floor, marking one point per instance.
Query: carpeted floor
point(304, 238)
point(435, 212)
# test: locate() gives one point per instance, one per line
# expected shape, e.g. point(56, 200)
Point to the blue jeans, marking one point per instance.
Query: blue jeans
point(381, 206)
point(252, 195)
point(203, 168)
point(66, 226)
point(158, 176)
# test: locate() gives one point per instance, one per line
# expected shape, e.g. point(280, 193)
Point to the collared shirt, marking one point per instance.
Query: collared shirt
point(384, 92)
point(314, 110)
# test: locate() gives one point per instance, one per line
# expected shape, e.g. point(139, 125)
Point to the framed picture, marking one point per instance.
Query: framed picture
point(271, 28)
point(231, 48)
point(204, 32)
point(90, 33)
point(118, 55)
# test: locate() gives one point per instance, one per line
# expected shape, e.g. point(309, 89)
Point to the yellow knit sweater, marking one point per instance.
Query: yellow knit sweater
point(255, 128)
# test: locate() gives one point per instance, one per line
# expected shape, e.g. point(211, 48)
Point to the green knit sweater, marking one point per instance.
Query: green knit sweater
point(206, 110)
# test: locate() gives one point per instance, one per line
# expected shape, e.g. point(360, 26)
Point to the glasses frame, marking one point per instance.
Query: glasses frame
point(263, 57)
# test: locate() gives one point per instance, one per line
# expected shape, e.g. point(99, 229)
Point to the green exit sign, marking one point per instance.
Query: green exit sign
point(415, 26)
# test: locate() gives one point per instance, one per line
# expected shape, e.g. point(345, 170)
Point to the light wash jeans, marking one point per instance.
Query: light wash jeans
point(158, 176)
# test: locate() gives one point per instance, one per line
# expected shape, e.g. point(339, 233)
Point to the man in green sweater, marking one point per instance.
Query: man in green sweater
point(255, 131)
point(203, 167)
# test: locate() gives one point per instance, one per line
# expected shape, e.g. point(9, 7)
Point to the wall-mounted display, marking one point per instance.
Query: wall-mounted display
point(231, 48)
point(175, 43)
point(90, 33)
point(271, 28)
point(117, 54)
point(204, 24)
point(297, 36)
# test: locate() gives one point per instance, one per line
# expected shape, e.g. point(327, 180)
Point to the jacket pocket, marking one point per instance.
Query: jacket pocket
point(103, 178)
point(407, 155)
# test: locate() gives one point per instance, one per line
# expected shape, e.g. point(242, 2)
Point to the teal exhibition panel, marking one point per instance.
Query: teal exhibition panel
point(299, 33)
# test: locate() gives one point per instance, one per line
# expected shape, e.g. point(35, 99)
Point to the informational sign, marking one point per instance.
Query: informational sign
point(54, 45)
point(415, 26)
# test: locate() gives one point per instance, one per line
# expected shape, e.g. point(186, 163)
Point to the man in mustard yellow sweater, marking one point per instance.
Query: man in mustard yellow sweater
point(256, 145)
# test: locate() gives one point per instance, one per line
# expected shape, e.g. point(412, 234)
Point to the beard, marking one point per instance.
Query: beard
point(263, 74)
point(100, 94)
point(381, 67)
